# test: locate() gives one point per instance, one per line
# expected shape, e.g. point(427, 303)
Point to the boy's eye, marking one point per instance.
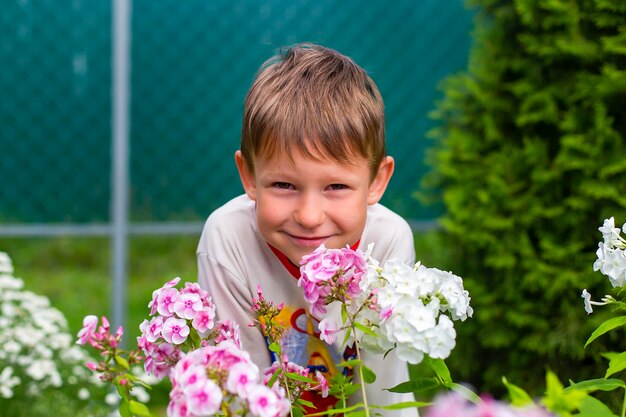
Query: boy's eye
point(335, 187)
point(282, 185)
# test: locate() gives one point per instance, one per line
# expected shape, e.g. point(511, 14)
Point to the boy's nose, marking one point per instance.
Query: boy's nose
point(310, 212)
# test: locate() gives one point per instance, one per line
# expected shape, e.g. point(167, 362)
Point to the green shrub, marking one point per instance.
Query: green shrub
point(529, 158)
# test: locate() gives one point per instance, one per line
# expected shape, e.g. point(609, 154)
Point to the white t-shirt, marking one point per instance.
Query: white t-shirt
point(233, 259)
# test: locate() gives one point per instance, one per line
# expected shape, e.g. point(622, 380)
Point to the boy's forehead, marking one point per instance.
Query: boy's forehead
point(290, 159)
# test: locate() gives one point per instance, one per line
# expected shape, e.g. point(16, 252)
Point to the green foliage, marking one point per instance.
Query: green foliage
point(529, 159)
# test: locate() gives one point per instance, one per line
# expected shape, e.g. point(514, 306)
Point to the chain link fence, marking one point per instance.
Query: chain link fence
point(191, 64)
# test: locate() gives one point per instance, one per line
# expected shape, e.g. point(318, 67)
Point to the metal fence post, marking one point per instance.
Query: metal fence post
point(120, 157)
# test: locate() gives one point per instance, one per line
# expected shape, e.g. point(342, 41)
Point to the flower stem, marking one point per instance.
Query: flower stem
point(360, 368)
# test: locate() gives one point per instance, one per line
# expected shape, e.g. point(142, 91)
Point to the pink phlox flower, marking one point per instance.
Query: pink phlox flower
point(241, 377)
point(323, 384)
point(158, 369)
point(165, 301)
point(154, 328)
point(187, 305)
point(318, 309)
point(175, 330)
point(194, 374)
point(89, 327)
point(328, 330)
point(204, 399)
point(171, 283)
point(226, 354)
point(92, 365)
point(386, 312)
point(146, 346)
point(203, 320)
point(228, 331)
point(155, 294)
point(263, 402)
point(269, 372)
point(177, 406)
point(194, 288)
point(105, 325)
point(160, 358)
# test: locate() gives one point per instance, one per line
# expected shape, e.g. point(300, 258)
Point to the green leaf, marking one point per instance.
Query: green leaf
point(617, 363)
point(273, 378)
point(399, 406)
point(351, 362)
point(558, 400)
point(600, 384)
point(415, 385)
point(344, 313)
point(274, 347)
point(125, 409)
point(440, 368)
point(306, 403)
point(608, 325)
point(519, 397)
point(368, 375)
point(592, 407)
point(298, 377)
point(358, 413)
point(337, 410)
point(364, 329)
point(465, 392)
point(297, 412)
point(138, 409)
point(121, 361)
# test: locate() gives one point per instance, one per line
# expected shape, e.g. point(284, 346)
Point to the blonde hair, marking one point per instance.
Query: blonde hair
point(316, 101)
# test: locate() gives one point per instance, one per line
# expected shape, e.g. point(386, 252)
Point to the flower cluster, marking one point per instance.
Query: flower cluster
point(392, 306)
point(455, 405)
point(175, 313)
point(611, 262)
point(329, 275)
point(417, 305)
point(611, 253)
point(38, 359)
point(212, 379)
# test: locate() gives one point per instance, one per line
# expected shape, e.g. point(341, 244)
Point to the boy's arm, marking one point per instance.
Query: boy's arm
point(233, 301)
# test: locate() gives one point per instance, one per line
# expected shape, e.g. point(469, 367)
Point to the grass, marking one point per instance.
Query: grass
point(75, 274)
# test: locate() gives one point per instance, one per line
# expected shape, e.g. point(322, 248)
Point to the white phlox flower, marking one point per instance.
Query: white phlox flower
point(423, 302)
point(7, 382)
point(36, 352)
point(607, 299)
point(611, 255)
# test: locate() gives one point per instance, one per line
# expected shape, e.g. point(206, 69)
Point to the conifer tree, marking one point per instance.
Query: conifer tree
point(529, 158)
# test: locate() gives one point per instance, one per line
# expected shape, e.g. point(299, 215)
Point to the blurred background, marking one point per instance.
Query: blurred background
point(119, 121)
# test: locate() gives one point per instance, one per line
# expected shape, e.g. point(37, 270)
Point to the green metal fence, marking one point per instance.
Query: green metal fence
point(192, 62)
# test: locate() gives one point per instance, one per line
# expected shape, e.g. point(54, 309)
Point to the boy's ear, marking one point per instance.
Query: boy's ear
point(381, 180)
point(247, 177)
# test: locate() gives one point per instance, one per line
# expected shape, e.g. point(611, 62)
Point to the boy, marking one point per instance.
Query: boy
point(313, 166)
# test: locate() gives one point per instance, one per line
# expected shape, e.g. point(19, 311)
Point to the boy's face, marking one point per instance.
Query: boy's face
point(304, 203)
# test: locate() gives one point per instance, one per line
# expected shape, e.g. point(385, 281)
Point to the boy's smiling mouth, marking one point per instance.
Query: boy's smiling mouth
point(308, 241)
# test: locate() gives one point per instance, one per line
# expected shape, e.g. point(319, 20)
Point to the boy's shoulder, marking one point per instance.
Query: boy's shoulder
point(233, 222)
point(390, 233)
point(382, 218)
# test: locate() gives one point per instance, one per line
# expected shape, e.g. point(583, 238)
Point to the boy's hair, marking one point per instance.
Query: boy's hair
point(316, 101)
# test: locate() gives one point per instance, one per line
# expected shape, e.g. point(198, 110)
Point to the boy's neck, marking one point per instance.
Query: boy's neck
point(294, 269)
